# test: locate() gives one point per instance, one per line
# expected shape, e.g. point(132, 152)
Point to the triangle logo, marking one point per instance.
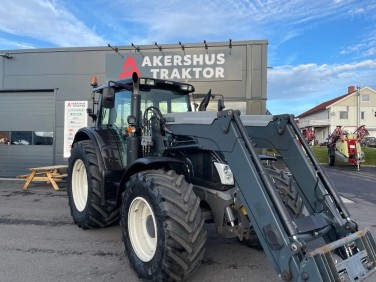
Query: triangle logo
point(129, 68)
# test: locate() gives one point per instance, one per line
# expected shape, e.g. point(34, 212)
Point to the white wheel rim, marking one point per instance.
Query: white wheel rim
point(142, 229)
point(79, 185)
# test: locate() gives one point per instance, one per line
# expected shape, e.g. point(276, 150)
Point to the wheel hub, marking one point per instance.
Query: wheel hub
point(142, 229)
point(150, 226)
point(79, 185)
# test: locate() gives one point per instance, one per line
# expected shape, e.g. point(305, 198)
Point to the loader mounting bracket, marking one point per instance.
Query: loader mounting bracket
point(225, 118)
point(280, 122)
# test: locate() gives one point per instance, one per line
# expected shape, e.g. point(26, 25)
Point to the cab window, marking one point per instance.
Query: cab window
point(168, 101)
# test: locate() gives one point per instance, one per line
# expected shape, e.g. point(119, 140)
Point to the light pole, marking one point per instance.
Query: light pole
point(357, 106)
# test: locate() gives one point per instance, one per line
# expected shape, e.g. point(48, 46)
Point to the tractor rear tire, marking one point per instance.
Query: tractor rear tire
point(162, 226)
point(288, 194)
point(84, 189)
point(287, 190)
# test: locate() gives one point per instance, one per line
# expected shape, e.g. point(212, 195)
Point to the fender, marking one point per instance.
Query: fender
point(143, 164)
point(109, 160)
point(105, 144)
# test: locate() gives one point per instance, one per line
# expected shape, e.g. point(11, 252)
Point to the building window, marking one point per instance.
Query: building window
point(21, 138)
point(361, 115)
point(343, 115)
point(43, 138)
point(365, 98)
point(4, 137)
point(26, 138)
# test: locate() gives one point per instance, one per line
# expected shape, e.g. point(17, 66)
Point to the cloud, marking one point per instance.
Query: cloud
point(65, 23)
point(173, 21)
point(10, 44)
point(298, 88)
point(45, 21)
point(70, 23)
point(364, 49)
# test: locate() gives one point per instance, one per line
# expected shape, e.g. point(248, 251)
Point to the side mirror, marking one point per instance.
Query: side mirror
point(221, 105)
point(108, 97)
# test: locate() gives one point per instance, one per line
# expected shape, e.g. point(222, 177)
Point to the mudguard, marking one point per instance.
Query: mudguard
point(142, 164)
point(109, 160)
point(105, 143)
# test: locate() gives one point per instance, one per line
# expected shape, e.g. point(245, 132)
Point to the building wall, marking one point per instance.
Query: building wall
point(319, 117)
point(349, 104)
point(369, 108)
point(69, 70)
point(319, 121)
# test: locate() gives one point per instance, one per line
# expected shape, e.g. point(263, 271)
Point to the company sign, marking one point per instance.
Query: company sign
point(180, 66)
point(75, 117)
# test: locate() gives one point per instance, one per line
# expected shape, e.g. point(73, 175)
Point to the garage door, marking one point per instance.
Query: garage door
point(27, 121)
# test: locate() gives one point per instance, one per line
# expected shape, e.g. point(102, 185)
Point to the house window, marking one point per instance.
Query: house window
point(361, 115)
point(343, 115)
point(365, 98)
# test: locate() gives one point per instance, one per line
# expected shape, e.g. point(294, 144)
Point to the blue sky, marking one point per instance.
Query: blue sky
point(316, 48)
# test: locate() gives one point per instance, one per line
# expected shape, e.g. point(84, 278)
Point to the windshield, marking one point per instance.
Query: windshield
point(168, 101)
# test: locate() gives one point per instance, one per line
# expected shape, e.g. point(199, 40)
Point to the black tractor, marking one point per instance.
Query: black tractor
point(163, 166)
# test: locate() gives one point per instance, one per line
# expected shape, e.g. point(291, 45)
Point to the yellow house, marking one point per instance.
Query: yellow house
point(355, 108)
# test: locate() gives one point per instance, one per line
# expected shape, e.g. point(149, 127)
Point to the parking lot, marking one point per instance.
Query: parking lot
point(39, 241)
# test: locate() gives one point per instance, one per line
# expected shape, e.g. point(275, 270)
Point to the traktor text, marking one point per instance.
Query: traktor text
point(186, 66)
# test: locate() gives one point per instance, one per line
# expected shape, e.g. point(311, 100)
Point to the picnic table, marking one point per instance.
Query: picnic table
point(50, 174)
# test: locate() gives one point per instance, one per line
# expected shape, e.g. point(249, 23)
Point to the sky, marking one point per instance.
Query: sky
point(317, 48)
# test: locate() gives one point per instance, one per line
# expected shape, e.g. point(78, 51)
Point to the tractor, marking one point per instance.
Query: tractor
point(163, 169)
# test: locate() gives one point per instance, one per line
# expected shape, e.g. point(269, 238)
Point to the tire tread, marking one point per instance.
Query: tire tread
point(99, 215)
point(183, 221)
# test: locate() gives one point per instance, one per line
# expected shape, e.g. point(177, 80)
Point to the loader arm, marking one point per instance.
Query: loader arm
point(344, 253)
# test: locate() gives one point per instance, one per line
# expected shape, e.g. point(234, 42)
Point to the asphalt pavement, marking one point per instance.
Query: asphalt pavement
point(358, 185)
point(40, 242)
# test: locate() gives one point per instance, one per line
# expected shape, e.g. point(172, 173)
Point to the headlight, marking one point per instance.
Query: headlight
point(225, 173)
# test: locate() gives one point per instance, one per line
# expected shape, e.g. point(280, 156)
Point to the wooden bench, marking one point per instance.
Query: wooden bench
point(50, 174)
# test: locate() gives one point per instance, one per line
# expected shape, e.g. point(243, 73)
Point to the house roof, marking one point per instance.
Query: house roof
point(323, 106)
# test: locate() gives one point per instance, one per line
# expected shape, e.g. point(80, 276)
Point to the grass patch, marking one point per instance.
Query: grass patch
point(321, 153)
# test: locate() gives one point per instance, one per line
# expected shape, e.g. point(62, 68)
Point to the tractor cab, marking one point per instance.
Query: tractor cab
point(112, 101)
point(122, 111)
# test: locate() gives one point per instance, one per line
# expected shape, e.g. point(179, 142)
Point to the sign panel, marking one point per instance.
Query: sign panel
point(75, 117)
point(185, 66)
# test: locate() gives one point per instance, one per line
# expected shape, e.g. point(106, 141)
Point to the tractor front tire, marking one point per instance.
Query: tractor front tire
point(162, 226)
point(84, 189)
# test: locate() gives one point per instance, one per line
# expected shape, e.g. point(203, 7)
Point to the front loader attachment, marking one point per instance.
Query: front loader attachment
point(323, 244)
point(358, 262)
